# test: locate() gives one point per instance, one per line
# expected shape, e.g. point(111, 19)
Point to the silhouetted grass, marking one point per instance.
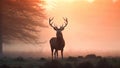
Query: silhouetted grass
point(69, 62)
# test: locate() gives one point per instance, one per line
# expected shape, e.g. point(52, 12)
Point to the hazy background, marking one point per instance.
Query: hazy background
point(94, 27)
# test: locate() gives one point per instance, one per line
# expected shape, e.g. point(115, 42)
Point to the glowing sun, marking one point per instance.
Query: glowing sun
point(90, 1)
point(50, 4)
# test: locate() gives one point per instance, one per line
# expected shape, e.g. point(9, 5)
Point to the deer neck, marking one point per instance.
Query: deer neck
point(59, 35)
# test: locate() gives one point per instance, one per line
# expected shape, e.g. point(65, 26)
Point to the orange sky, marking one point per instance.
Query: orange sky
point(94, 27)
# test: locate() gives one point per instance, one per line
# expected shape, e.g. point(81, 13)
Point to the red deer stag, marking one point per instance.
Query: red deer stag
point(57, 43)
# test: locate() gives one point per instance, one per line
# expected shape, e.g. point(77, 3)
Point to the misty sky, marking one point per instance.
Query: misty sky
point(94, 27)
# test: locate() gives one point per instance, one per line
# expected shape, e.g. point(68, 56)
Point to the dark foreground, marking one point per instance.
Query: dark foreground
point(70, 62)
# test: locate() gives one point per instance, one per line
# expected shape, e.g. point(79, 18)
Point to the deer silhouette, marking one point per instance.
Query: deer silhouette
point(57, 43)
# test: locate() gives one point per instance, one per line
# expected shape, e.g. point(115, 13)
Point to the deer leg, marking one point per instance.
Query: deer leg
point(57, 53)
point(52, 53)
point(62, 53)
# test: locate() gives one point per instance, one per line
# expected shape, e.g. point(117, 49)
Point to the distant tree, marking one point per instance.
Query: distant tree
point(20, 20)
point(71, 58)
point(99, 57)
point(80, 57)
point(91, 56)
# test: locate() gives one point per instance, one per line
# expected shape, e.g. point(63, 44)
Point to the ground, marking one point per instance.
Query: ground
point(69, 62)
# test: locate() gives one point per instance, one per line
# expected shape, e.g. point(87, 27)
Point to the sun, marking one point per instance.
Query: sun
point(51, 4)
point(90, 1)
point(115, 1)
point(69, 0)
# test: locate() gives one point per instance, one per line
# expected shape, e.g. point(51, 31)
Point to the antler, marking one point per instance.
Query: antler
point(50, 19)
point(66, 22)
point(55, 27)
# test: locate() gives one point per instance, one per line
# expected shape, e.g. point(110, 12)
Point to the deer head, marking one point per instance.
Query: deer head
point(61, 28)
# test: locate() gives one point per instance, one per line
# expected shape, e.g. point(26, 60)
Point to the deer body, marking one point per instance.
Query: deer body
point(54, 42)
point(57, 43)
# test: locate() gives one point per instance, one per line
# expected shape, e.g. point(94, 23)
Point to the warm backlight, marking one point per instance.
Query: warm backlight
point(93, 27)
point(50, 4)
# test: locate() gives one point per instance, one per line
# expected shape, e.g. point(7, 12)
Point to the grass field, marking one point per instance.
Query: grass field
point(69, 62)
